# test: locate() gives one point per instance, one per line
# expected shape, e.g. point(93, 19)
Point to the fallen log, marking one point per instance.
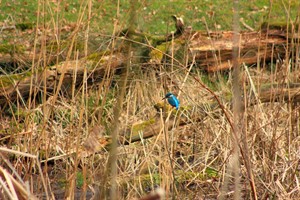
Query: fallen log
point(19, 85)
point(172, 118)
point(211, 52)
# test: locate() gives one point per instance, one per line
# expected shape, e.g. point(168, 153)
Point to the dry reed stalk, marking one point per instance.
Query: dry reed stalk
point(270, 132)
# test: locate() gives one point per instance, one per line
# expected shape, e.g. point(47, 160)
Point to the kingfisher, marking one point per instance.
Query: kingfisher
point(172, 99)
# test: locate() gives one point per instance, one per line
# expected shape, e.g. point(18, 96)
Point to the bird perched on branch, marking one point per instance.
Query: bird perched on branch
point(172, 100)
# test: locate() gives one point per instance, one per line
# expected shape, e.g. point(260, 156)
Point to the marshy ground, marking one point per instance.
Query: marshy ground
point(110, 135)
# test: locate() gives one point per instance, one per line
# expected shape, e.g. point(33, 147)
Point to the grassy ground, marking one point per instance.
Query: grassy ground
point(153, 16)
point(192, 161)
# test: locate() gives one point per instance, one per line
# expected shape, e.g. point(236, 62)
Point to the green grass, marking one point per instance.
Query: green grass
point(153, 16)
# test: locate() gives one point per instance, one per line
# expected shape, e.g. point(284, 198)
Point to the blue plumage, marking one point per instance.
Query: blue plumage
point(172, 99)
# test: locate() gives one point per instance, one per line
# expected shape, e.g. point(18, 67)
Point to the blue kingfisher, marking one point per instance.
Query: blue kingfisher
point(172, 99)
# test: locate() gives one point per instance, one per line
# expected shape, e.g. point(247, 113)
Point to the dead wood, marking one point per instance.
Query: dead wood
point(279, 93)
point(19, 85)
point(153, 127)
point(212, 52)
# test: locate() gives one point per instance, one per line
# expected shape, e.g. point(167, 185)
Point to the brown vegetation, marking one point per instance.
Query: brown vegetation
point(70, 125)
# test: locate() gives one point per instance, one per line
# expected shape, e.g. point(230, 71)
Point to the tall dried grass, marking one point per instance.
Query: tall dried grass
point(248, 153)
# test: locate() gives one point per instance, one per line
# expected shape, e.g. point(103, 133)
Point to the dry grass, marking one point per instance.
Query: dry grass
point(44, 137)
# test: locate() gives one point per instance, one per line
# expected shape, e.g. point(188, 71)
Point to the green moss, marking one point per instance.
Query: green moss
point(62, 182)
point(211, 172)
point(279, 25)
point(178, 46)
point(24, 26)
point(147, 180)
point(166, 107)
point(157, 54)
point(98, 55)
point(11, 48)
point(212, 82)
point(64, 44)
point(8, 80)
point(79, 179)
point(136, 128)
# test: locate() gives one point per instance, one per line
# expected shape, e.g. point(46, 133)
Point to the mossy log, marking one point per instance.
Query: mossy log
point(71, 72)
point(22, 55)
point(167, 117)
point(212, 52)
point(268, 93)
